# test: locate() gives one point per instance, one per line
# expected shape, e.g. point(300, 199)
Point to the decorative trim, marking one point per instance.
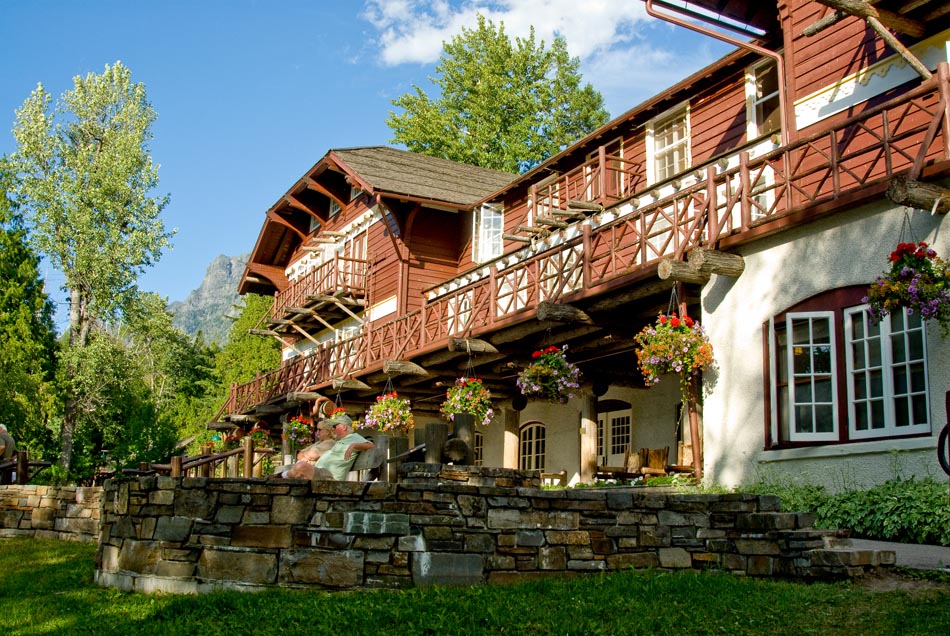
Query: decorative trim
point(869, 82)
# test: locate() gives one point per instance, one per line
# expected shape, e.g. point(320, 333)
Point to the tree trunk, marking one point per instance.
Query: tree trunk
point(79, 325)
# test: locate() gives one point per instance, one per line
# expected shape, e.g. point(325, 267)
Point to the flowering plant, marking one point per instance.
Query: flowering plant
point(469, 395)
point(673, 345)
point(230, 442)
point(260, 435)
point(389, 413)
point(299, 431)
point(550, 377)
point(918, 280)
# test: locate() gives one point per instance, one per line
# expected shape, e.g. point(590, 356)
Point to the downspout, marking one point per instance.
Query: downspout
point(779, 62)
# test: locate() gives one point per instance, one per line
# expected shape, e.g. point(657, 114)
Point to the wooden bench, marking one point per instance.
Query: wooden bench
point(371, 465)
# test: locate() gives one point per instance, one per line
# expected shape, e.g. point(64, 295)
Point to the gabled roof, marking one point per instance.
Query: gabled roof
point(390, 171)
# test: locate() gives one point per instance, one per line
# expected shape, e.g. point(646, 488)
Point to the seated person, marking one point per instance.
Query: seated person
point(306, 458)
point(7, 445)
point(336, 463)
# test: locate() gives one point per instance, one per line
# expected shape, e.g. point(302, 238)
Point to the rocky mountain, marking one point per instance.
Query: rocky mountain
point(205, 308)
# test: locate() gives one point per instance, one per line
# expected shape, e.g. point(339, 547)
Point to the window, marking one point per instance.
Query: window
point(479, 442)
point(334, 208)
point(837, 376)
point(668, 144)
point(762, 99)
point(488, 230)
point(531, 446)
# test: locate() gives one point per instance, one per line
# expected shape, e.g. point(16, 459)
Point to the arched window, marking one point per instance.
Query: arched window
point(531, 446)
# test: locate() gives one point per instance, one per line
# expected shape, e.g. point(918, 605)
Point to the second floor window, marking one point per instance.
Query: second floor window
point(762, 100)
point(488, 230)
point(837, 376)
point(669, 136)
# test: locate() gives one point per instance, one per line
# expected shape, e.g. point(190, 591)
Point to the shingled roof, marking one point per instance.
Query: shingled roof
point(398, 172)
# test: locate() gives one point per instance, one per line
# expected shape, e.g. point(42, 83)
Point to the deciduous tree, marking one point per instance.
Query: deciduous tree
point(503, 105)
point(85, 183)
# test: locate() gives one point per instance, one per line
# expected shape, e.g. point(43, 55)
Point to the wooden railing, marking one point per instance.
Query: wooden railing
point(340, 274)
point(708, 205)
point(245, 461)
point(20, 469)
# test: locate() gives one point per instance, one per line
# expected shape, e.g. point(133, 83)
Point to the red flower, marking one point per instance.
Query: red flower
point(536, 355)
point(662, 319)
point(688, 321)
point(674, 322)
point(551, 349)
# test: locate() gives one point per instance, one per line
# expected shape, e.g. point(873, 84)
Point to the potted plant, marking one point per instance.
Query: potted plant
point(918, 280)
point(673, 345)
point(468, 396)
point(390, 413)
point(550, 377)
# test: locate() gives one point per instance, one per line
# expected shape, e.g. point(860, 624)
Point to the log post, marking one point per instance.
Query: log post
point(556, 312)
point(23, 467)
point(175, 470)
point(248, 456)
point(403, 367)
point(709, 261)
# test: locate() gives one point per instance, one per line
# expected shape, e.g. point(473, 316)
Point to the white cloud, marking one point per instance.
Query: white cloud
point(624, 53)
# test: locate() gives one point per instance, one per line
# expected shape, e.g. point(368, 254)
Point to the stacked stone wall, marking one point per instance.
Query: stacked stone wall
point(50, 512)
point(436, 526)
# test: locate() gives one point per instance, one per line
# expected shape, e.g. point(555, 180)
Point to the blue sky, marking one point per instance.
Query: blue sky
point(251, 93)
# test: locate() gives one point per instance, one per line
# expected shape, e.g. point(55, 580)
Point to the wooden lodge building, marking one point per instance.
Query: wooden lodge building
point(767, 190)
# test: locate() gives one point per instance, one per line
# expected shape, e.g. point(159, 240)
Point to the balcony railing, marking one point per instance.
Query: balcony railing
point(337, 275)
point(712, 205)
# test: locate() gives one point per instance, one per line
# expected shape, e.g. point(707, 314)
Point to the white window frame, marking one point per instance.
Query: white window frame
point(794, 434)
point(655, 153)
point(487, 232)
point(754, 100)
point(887, 367)
point(532, 446)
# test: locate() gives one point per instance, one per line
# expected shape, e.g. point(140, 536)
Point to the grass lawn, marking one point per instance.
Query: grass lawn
point(46, 587)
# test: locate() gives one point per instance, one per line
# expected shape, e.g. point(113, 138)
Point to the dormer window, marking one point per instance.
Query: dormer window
point(487, 233)
point(762, 99)
point(334, 208)
point(668, 144)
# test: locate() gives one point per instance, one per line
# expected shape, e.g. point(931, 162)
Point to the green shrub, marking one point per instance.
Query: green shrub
point(906, 510)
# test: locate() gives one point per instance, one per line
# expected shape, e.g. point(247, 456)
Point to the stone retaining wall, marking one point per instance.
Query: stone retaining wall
point(451, 525)
point(50, 512)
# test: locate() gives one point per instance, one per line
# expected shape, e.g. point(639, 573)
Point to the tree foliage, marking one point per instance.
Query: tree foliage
point(85, 181)
point(27, 337)
point(245, 355)
point(504, 105)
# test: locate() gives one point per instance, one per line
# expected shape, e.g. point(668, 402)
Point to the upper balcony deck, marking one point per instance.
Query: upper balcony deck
point(730, 201)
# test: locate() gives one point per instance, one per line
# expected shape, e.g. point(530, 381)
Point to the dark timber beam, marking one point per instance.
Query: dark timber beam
point(471, 345)
point(403, 367)
point(862, 9)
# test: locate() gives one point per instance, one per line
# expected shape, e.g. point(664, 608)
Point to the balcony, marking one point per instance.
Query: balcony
point(722, 204)
point(322, 296)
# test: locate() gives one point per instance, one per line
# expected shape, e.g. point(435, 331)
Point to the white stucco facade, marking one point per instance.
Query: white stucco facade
point(849, 248)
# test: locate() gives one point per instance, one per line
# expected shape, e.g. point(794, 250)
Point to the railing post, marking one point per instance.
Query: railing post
point(23, 467)
point(943, 86)
point(176, 466)
point(492, 291)
point(248, 456)
point(585, 256)
point(745, 191)
point(712, 209)
point(602, 177)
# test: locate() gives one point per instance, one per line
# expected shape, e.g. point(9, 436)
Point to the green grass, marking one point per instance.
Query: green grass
point(46, 587)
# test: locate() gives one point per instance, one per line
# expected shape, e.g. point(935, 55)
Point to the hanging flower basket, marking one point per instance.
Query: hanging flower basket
point(299, 432)
point(673, 345)
point(918, 281)
point(260, 435)
point(550, 377)
point(390, 413)
point(469, 395)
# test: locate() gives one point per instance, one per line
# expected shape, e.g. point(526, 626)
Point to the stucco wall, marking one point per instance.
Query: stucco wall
point(850, 248)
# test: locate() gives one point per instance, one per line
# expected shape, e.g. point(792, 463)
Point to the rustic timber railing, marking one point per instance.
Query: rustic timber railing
point(713, 205)
point(244, 461)
point(337, 275)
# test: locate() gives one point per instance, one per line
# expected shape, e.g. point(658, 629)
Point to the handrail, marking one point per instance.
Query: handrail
point(721, 203)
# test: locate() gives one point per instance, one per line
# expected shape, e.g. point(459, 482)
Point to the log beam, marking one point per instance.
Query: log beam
point(403, 367)
point(471, 345)
point(672, 269)
point(862, 9)
point(555, 312)
point(710, 261)
point(340, 384)
point(917, 194)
